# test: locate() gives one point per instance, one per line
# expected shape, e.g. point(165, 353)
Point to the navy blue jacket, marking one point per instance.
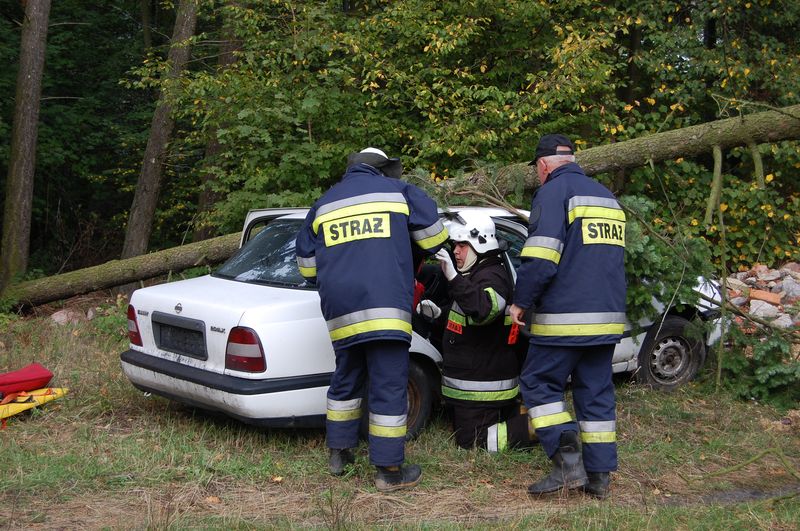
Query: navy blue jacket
point(573, 270)
point(356, 244)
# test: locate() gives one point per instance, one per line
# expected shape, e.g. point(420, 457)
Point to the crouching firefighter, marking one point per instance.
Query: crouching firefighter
point(480, 380)
point(356, 244)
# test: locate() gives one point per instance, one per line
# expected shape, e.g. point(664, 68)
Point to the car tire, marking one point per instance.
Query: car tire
point(671, 354)
point(421, 399)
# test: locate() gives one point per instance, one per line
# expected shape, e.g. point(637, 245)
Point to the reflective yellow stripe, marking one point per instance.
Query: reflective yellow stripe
point(596, 212)
point(433, 241)
point(373, 325)
point(480, 396)
point(541, 252)
point(352, 414)
point(599, 437)
point(578, 329)
point(551, 420)
point(502, 437)
point(308, 272)
point(387, 431)
point(363, 208)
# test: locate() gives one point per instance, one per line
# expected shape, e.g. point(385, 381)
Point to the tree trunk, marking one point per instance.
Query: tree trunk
point(15, 245)
point(208, 198)
point(768, 126)
point(147, 31)
point(117, 272)
point(140, 219)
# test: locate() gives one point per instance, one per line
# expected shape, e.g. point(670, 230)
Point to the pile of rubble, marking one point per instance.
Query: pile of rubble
point(769, 294)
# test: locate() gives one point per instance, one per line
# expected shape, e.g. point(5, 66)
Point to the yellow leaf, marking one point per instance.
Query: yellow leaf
point(483, 69)
point(723, 207)
point(212, 499)
point(276, 479)
point(628, 107)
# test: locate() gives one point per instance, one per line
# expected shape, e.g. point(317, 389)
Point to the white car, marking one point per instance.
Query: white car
point(250, 341)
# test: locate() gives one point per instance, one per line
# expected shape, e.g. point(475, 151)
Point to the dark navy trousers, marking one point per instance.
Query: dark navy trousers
point(385, 365)
point(543, 382)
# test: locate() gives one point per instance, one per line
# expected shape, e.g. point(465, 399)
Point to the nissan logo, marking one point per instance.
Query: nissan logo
point(178, 308)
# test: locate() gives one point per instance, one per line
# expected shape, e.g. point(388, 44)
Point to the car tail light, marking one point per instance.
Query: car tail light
point(244, 351)
point(133, 327)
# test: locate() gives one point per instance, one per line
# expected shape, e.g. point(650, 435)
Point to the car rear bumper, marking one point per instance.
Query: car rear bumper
point(280, 402)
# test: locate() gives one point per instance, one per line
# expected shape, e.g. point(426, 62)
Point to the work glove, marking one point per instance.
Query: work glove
point(427, 308)
point(448, 267)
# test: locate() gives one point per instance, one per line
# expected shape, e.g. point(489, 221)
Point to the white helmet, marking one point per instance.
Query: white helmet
point(475, 228)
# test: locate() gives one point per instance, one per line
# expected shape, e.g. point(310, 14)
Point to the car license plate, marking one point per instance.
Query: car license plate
point(180, 335)
point(182, 341)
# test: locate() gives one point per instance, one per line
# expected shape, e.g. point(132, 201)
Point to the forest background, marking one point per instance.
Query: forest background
point(269, 97)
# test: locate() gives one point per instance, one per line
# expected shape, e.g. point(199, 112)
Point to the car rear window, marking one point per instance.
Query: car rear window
point(268, 258)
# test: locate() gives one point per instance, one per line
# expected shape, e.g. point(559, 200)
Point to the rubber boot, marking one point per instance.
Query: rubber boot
point(392, 478)
point(568, 471)
point(338, 459)
point(599, 484)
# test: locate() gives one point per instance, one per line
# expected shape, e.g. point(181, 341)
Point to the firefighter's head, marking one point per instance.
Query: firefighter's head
point(472, 235)
point(378, 160)
point(551, 152)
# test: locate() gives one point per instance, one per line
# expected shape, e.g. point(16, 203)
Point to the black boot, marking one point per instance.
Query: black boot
point(338, 459)
point(568, 471)
point(391, 478)
point(599, 484)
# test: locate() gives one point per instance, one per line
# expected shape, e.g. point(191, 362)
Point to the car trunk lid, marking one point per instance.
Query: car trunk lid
point(190, 321)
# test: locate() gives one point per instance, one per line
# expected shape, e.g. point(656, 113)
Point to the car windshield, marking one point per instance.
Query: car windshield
point(268, 258)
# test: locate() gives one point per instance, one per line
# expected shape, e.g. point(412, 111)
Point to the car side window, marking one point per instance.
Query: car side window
point(514, 239)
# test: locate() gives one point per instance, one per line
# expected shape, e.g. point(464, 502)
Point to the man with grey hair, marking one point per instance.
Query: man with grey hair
point(573, 279)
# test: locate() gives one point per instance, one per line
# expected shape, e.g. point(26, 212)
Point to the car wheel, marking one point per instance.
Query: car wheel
point(421, 398)
point(670, 356)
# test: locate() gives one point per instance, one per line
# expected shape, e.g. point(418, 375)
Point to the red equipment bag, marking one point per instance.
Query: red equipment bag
point(28, 378)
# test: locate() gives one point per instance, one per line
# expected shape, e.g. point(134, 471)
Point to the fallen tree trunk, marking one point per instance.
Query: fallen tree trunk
point(119, 272)
point(758, 128)
point(688, 142)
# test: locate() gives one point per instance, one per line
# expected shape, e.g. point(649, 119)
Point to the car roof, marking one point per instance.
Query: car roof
point(300, 212)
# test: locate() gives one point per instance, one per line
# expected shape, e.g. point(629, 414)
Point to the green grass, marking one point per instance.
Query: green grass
point(108, 456)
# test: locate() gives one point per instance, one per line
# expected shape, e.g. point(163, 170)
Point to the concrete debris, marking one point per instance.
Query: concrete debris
point(769, 294)
point(68, 316)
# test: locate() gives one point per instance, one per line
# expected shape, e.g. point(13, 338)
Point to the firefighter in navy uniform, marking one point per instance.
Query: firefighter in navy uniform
point(573, 278)
point(480, 377)
point(356, 244)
